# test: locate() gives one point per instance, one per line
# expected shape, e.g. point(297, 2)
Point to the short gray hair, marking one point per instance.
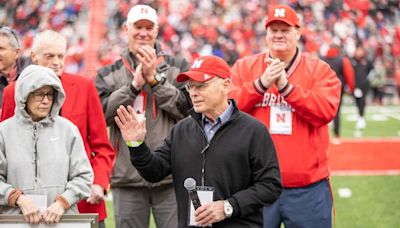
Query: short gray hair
point(13, 37)
point(42, 38)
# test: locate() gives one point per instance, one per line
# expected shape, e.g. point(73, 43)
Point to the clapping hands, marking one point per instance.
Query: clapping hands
point(274, 74)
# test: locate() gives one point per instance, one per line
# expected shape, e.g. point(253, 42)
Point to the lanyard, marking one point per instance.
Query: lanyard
point(128, 66)
point(203, 153)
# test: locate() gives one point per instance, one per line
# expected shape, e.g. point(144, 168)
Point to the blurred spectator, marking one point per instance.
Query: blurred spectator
point(377, 80)
point(344, 71)
point(397, 77)
point(362, 68)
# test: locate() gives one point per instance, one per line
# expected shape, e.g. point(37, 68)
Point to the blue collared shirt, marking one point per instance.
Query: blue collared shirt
point(210, 128)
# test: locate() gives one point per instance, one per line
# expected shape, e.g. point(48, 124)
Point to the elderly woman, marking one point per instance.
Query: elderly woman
point(41, 153)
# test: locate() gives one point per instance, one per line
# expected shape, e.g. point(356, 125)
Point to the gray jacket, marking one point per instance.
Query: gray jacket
point(45, 157)
point(113, 83)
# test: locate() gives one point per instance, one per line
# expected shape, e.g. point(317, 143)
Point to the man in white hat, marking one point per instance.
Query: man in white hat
point(144, 78)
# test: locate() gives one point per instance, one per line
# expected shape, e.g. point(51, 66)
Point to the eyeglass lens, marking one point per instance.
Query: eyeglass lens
point(40, 96)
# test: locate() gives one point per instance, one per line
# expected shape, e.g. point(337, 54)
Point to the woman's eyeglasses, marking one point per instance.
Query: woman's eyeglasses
point(39, 96)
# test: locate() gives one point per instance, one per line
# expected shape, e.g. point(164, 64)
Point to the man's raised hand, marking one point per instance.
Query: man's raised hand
point(131, 125)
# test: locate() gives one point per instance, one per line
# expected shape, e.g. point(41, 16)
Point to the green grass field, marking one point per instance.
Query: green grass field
point(382, 121)
point(375, 200)
point(110, 217)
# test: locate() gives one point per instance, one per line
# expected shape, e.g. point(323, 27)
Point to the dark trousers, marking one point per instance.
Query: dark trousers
point(361, 102)
point(132, 206)
point(307, 207)
point(336, 120)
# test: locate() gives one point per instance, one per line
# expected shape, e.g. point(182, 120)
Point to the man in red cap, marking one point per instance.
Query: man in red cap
point(295, 96)
point(228, 153)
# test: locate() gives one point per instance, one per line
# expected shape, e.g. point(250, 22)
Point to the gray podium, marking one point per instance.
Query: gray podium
point(67, 221)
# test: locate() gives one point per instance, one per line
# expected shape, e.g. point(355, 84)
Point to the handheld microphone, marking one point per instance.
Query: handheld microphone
point(190, 185)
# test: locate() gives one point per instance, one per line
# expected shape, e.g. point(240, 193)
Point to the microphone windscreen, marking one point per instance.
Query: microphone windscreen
point(190, 184)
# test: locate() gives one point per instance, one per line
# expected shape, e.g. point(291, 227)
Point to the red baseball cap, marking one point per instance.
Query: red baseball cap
point(282, 13)
point(205, 68)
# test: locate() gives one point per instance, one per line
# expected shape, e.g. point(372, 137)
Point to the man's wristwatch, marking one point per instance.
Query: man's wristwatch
point(228, 209)
point(158, 78)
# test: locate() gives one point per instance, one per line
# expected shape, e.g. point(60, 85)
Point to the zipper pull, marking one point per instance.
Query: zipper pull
point(34, 131)
point(205, 148)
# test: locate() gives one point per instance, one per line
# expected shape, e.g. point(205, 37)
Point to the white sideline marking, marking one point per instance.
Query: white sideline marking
point(378, 117)
point(372, 140)
point(389, 172)
point(388, 112)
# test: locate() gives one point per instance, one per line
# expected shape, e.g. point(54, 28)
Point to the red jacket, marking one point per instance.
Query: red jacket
point(313, 98)
point(82, 107)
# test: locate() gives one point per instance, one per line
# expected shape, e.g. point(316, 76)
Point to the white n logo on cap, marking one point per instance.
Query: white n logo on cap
point(206, 77)
point(279, 12)
point(197, 63)
point(144, 10)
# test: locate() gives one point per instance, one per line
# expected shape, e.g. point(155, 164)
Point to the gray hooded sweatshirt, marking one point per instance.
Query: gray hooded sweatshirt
point(45, 157)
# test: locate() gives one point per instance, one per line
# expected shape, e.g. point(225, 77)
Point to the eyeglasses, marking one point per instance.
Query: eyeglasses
point(198, 86)
point(11, 31)
point(39, 96)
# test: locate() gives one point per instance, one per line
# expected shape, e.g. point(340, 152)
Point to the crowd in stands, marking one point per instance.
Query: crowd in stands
point(227, 28)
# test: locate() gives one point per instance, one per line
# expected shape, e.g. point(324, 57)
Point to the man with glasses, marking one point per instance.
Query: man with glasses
point(226, 151)
point(10, 62)
point(144, 77)
point(82, 107)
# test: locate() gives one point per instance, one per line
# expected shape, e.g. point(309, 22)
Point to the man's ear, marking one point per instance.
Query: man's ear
point(227, 85)
point(18, 52)
point(33, 58)
point(157, 28)
point(298, 34)
point(125, 27)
